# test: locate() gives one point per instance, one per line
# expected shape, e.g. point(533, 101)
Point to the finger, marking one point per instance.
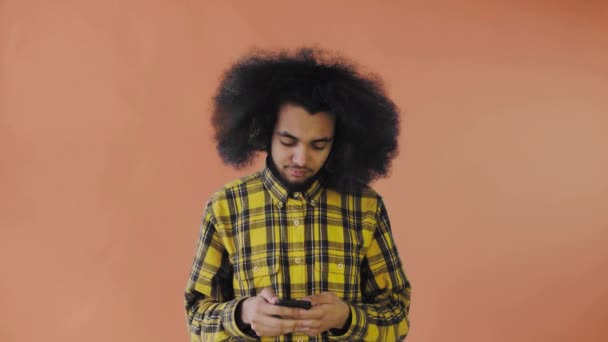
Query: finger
point(316, 312)
point(272, 326)
point(314, 299)
point(309, 324)
point(324, 298)
point(311, 327)
point(266, 325)
point(269, 294)
point(282, 311)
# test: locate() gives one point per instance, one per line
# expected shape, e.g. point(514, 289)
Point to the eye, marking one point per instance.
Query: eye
point(319, 146)
point(288, 142)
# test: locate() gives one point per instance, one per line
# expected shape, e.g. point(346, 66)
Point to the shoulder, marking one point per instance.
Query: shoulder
point(358, 190)
point(221, 204)
point(237, 187)
point(242, 182)
point(369, 200)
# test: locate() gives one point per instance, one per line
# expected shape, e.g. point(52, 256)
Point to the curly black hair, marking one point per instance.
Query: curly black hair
point(253, 89)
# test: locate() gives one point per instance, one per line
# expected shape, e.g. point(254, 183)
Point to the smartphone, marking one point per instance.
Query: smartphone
point(302, 304)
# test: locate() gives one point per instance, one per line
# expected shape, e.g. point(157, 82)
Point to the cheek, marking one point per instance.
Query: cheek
point(321, 158)
point(278, 153)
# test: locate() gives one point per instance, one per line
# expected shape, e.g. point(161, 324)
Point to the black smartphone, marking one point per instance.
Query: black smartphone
point(302, 304)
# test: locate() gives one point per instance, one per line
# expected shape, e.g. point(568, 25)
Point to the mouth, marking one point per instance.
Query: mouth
point(296, 172)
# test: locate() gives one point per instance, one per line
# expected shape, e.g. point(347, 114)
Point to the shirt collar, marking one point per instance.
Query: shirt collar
point(280, 192)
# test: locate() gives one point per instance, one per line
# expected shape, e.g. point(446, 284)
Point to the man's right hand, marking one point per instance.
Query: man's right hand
point(266, 318)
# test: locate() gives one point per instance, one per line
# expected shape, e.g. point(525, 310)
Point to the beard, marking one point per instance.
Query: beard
point(299, 186)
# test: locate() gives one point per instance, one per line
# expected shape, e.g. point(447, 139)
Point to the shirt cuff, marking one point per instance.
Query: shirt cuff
point(357, 328)
point(229, 322)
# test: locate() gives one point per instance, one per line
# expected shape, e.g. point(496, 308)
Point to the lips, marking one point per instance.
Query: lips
point(296, 173)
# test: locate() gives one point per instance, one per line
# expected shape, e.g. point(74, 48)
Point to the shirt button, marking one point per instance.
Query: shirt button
point(296, 194)
point(296, 222)
point(313, 202)
point(298, 260)
point(255, 269)
point(340, 266)
point(280, 205)
point(300, 340)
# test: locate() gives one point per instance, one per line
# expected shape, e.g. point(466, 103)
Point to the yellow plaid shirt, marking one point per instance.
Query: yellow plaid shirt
point(255, 234)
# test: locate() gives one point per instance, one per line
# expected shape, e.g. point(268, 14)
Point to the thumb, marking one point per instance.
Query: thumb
point(269, 295)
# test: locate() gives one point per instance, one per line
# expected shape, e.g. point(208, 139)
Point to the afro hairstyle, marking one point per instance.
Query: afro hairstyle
point(253, 89)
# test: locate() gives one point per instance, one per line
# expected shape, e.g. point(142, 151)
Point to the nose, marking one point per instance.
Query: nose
point(300, 155)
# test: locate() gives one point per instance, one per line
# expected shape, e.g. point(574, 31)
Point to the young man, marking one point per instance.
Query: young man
point(307, 226)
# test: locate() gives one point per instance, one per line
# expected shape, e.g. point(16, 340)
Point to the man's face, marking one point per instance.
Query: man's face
point(301, 142)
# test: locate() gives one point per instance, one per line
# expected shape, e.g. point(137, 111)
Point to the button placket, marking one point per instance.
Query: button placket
point(296, 209)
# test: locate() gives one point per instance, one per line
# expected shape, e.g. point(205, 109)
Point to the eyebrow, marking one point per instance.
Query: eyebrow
point(287, 135)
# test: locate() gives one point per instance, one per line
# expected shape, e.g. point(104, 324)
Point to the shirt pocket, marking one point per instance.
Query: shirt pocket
point(253, 273)
point(341, 277)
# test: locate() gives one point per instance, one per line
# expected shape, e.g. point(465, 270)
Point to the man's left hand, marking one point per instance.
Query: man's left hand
point(328, 312)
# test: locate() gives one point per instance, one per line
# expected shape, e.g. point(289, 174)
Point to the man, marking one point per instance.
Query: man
point(307, 226)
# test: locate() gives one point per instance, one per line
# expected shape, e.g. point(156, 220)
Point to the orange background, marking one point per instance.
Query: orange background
point(498, 199)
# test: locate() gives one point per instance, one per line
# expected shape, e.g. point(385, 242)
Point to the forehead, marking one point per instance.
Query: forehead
point(297, 121)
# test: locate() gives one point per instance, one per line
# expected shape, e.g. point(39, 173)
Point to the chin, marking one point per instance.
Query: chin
point(296, 182)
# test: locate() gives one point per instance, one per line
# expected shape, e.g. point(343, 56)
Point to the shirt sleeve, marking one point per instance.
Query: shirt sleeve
point(209, 296)
point(383, 315)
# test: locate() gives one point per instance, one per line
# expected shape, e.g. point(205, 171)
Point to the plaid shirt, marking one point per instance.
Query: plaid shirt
point(255, 234)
